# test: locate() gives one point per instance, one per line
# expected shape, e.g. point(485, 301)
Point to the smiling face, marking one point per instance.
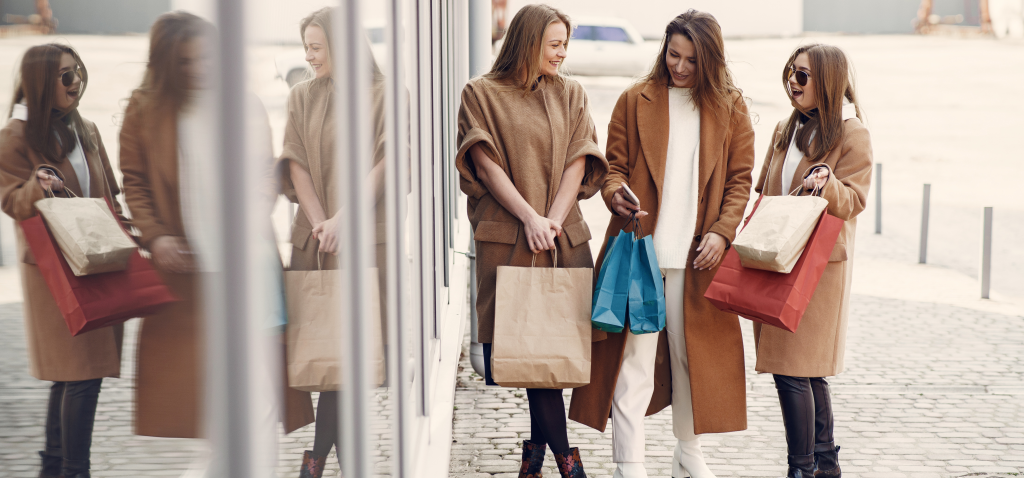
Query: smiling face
point(803, 95)
point(67, 95)
point(553, 49)
point(194, 63)
point(315, 42)
point(681, 60)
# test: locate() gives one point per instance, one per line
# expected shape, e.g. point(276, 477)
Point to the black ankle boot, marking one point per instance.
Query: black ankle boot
point(570, 465)
point(533, 459)
point(826, 461)
point(50, 467)
point(801, 466)
point(75, 469)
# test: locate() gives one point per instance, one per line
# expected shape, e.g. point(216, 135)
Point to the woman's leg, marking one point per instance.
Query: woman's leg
point(688, 453)
point(326, 435)
point(632, 397)
point(547, 418)
point(797, 401)
point(77, 416)
point(52, 456)
point(826, 453)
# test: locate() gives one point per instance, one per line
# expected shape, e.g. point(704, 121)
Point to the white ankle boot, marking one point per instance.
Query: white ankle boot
point(689, 459)
point(630, 470)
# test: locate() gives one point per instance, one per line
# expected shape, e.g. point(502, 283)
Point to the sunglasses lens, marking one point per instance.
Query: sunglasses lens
point(801, 78)
point(66, 78)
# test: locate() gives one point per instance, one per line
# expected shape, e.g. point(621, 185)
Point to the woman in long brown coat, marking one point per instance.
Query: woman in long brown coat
point(527, 154)
point(164, 135)
point(48, 146)
point(822, 145)
point(681, 139)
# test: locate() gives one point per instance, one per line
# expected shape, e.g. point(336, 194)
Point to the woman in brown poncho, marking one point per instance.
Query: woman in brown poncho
point(527, 154)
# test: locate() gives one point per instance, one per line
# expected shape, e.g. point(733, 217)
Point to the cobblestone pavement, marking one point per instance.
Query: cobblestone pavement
point(930, 391)
point(116, 451)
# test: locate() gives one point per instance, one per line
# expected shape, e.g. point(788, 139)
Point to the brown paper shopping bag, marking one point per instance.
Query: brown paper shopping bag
point(775, 237)
point(313, 320)
point(88, 234)
point(542, 327)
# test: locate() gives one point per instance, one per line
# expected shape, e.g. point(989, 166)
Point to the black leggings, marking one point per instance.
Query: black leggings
point(806, 412)
point(70, 416)
point(547, 412)
point(326, 434)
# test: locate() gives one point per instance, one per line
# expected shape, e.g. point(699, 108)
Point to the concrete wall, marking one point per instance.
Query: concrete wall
point(879, 16)
point(95, 16)
point(739, 18)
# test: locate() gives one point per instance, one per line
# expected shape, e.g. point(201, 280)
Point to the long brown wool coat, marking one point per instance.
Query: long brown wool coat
point(533, 139)
point(169, 375)
point(637, 147)
point(53, 353)
point(817, 347)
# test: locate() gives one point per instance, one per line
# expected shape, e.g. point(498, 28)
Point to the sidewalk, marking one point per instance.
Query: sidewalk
point(934, 387)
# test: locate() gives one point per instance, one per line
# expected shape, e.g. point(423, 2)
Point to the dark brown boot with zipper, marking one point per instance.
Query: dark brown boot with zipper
point(826, 461)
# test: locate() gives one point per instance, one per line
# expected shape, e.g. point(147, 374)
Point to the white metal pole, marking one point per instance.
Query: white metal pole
point(986, 253)
point(925, 206)
point(878, 198)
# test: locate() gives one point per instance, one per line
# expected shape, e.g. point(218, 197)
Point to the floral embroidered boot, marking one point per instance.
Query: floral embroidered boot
point(533, 459)
point(312, 465)
point(569, 464)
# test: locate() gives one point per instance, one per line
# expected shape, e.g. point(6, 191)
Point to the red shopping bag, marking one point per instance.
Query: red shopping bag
point(93, 301)
point(775, 298)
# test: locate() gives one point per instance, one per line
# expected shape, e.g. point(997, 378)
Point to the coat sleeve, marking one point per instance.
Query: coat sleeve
point(739, 164)
point(294, 143)
point(473, 129)
point(849, 181)
point(138, 192)
point(617, 151)
point(19, 190)
point(763, 177)
point(583, 143)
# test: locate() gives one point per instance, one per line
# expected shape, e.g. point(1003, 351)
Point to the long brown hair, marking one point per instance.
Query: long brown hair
point(833, 77)
point(521, 53)
point(36, 85)
point(164, 84)
point(715, 88)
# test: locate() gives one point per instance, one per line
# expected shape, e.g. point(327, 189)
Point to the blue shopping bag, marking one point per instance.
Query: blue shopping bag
point(608, 312)
point(646, 288)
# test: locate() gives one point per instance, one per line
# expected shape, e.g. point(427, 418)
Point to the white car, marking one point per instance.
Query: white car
point(292, 66)
point(606, 47)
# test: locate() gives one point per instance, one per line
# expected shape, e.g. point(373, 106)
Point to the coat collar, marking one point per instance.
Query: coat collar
point(652, 121)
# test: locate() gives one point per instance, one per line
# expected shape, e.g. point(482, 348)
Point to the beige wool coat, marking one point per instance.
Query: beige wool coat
point(533, 138)
point(53, 353)
point(817, 347)
point(637, 150)
point(170, 360)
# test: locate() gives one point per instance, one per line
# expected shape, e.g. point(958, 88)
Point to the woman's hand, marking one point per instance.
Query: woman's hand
point(172, 254)
point(817, 179)
point(623, 206)
point(541, 233)
point(327, 233)
point(711, 249)
point(49, 181)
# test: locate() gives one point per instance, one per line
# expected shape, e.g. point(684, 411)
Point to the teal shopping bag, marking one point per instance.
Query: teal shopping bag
point(608, 312)
point(646, 288)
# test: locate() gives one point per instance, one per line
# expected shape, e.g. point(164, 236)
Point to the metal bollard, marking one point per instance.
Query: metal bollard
point(925, 203)
point(986, 253)
point(878, 199)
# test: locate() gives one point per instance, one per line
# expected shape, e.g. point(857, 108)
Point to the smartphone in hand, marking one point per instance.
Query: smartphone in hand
point(629, 195)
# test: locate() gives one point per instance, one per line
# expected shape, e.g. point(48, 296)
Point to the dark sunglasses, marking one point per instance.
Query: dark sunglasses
point(801, 76)
point(68, 77)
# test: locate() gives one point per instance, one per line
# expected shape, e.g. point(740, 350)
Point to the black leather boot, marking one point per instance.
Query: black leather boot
point(533, 459)
point(52, 456)
point(50, 467)
point(77, 417)
point(826, 461)
point(801, 466)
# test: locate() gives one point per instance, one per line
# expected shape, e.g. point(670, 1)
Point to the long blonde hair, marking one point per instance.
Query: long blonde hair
point(521, 53)
point(833, 77)
point(715, 88)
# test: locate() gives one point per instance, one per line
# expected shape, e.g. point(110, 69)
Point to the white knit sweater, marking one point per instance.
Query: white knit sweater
point(677, 215)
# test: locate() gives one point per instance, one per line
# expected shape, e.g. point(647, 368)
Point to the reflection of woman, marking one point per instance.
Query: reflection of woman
point(165, 145)
point(47, 145)
point(822, 145)
point(527, 154)
point(310, 179)
point(681, 139)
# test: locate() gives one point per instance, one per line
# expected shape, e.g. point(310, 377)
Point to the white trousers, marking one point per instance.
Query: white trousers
point(635, 383)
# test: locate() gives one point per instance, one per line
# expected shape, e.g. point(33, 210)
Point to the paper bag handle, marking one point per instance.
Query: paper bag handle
point(554, 257)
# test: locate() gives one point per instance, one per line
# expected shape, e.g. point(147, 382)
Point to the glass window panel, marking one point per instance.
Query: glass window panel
point(612, 34)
